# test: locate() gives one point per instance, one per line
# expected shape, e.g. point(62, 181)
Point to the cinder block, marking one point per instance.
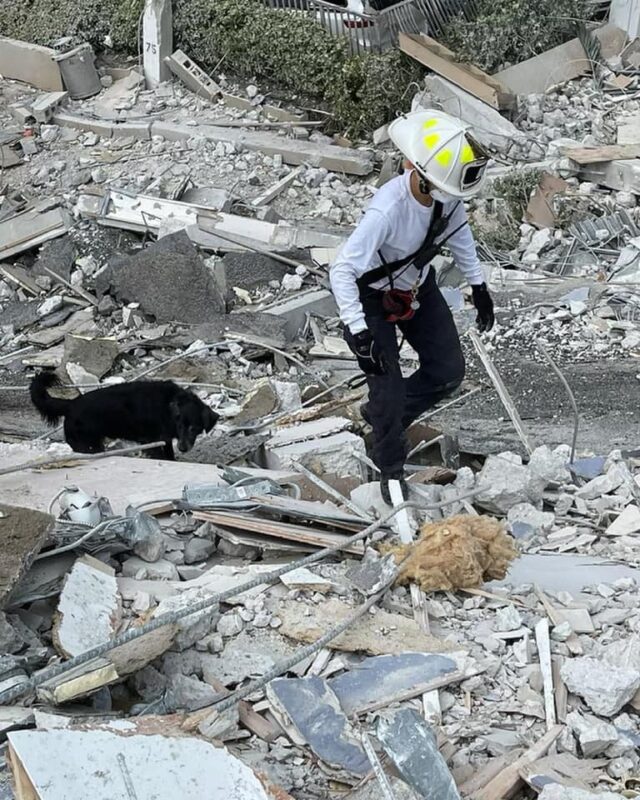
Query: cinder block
point(193, 76)
point(295, 309)
point(30, 63)
point(20, 113)
point(100, 127)
point(45, 106)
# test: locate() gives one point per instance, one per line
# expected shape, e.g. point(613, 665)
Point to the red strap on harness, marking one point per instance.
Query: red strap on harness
point(399, 305)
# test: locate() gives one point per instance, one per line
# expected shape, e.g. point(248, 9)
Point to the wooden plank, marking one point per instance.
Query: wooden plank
point(560, 690)
point(594, 155)
point(441, 60)
point(507, 782)
point(251, 720)
point(24, 787)
point(281, 530)
point(544, 655)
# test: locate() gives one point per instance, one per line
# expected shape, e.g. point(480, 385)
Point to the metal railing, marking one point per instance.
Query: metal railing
point(378, 30)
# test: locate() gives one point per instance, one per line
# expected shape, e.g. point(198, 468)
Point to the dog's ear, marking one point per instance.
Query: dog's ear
point(209, 418)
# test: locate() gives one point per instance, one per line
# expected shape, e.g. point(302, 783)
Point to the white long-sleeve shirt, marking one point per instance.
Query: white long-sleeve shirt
point(395, 224)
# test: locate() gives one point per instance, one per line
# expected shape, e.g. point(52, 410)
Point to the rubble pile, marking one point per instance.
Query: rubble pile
point(246, 610)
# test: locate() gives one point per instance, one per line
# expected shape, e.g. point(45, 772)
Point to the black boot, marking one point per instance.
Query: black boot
point(384, 486)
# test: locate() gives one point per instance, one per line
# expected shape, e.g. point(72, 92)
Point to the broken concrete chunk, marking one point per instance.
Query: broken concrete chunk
point(626, 523)
point(615, 476)
point(508, 482)
point(161, 570)
point(605, 688)
point(594, 735)
point(373, 572)
point(303, 578)
point(188, 693)
point(22, 532)
point(313, 708)
point(198, 549)
point(525, 520)
point(260, 402)
point(507, 619)
point(151, 276)
point(89, 609)
point(96, 356)
point(412, 747)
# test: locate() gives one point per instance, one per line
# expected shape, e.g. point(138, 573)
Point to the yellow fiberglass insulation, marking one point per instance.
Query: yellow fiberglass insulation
point(461, 552)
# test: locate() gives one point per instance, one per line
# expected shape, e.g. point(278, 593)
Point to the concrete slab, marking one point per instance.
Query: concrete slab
point(62, 763)
point(489, 126)
point(23, 532)
point(569, 573)
point(560, 64)
point(30, 63)
point(89, 609)
point(125, 481)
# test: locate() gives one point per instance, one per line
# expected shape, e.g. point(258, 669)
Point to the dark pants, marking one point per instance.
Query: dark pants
point(395, 402)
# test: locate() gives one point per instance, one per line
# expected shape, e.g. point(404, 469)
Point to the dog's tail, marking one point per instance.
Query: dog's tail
point(50, 408)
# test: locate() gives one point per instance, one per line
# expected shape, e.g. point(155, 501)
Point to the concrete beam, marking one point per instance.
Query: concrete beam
point(157, 41)
point(30, 63)
point(621, 176)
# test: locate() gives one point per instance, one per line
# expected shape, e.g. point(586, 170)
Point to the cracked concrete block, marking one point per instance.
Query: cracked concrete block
point(295, 309)
point(508, 482)
point(594, 735)
point(23, 533)
point(89, 608)
point(333, 455)
point(604, 687)
point(30, 63)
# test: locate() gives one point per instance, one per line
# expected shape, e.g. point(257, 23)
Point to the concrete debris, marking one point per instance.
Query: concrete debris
point(59, 763)
point(508, 483)
point(459, 553)
point(604, 687)
point(89, 608)
point(150, 278)
point(181, 229)
point(24, 532)
point(379, 634)
point(314, 710)
point(412, 747)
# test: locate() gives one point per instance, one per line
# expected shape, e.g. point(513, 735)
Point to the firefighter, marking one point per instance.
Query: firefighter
point(383, 282)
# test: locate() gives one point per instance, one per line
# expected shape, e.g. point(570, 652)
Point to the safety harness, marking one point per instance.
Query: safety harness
point(398, 304)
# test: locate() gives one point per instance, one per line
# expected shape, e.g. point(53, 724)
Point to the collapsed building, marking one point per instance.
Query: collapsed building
point(252, 620)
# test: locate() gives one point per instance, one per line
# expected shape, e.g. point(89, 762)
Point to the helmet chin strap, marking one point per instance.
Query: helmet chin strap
point(423, 184)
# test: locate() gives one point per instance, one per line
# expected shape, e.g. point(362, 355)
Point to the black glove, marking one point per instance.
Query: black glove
point(369, 355)
point(484, 306)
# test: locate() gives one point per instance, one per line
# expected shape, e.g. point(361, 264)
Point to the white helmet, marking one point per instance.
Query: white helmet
point(442, 151)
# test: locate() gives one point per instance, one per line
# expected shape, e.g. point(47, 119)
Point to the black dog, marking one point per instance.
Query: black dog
point(141, 411)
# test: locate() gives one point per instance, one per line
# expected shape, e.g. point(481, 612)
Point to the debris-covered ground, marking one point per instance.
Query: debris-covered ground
point(251, 620)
